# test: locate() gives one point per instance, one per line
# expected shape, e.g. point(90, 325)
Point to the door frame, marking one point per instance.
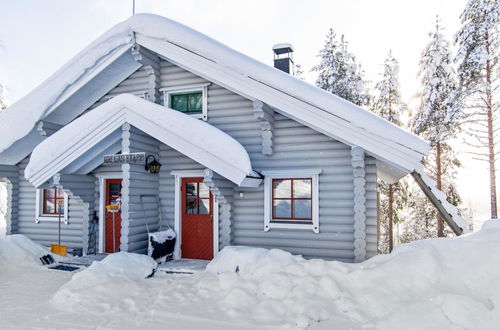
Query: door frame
point(102, 200)
point(179, 175)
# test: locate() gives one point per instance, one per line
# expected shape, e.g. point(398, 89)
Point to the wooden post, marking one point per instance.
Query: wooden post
point(391, 218)
point(378, 217)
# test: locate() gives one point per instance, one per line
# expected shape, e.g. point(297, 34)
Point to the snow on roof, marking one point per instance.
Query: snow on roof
point(18, 120)
point(196, 139)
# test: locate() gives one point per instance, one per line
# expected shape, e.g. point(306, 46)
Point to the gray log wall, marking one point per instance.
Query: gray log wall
point(45, 232)
point(140, 190)
point(272, 140)
point(293, 146)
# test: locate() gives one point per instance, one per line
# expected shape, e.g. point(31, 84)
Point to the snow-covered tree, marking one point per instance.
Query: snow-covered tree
point(387, 102)
point(298, 72)
point(436, 120)
point(339, 73)
point(479, 78)
point(389, 105)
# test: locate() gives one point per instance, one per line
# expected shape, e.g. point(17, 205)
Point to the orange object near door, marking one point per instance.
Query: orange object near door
point(112, 228)
point(197, 220)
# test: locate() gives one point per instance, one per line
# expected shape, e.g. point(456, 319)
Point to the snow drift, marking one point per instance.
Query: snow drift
point(114, 275)
point(451, 283)
point(445, 283)
point(18, 250)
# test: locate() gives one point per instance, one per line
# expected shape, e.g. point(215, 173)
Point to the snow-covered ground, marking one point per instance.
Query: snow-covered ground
point(446, 283)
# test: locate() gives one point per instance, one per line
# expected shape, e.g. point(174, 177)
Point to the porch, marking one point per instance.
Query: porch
point(73, 160)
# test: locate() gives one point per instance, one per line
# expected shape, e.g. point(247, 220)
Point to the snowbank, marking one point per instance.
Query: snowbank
point(446, 283)
point(113, 275)
point(449, 283)
point(18, 250)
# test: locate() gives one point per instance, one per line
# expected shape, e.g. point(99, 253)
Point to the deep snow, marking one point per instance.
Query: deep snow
point(446, 283)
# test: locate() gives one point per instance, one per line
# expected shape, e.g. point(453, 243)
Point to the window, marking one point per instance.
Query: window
point(191, 100)
point(186, 102)
point(291, 199)
point(50, 204)
point(53, 201)
point(197, 198)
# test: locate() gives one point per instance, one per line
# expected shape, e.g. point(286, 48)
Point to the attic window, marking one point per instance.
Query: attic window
point(187, 102)
point(191, 100)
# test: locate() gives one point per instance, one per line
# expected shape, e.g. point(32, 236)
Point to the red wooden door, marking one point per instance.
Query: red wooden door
point(197, 220)
point(112, 227)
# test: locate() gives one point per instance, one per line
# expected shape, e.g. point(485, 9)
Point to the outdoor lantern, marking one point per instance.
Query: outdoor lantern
point(152, 166)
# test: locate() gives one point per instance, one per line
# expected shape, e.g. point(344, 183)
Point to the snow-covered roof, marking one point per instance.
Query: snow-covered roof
point(183, 46)
point(196, 139)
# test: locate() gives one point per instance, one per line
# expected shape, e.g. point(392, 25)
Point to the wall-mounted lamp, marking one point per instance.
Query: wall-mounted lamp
point(152, 166)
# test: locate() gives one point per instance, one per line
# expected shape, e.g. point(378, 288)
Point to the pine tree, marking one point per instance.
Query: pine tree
point(339, 73)
point(436, 119)
point(479, 77)
point(389, 105)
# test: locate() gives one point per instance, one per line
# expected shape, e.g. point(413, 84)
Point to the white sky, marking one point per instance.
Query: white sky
point(37, 37)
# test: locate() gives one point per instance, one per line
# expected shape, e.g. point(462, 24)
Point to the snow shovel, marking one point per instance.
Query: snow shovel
point(58, 248)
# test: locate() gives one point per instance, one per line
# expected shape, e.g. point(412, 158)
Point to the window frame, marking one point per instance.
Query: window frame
point(292, 200)
point(39, 212)
point(308, 224)
point(203, 88)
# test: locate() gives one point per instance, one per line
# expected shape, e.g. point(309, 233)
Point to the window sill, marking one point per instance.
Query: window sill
point(196, 115)
point(51, 218)
point(289, 225)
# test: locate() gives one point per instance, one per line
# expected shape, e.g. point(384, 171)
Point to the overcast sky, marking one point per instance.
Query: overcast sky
point(37, 37)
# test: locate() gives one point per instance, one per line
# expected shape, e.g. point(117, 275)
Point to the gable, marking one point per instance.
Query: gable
point(324, 112)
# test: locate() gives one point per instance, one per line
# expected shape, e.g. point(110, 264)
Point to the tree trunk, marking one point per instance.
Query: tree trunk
point(491, 141)
point(391, 218)
point(439, 174)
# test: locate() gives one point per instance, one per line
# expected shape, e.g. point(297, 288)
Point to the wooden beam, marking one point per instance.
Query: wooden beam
point(437, 203)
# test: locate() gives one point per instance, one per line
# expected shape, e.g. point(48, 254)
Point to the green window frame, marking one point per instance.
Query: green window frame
point(188, 102)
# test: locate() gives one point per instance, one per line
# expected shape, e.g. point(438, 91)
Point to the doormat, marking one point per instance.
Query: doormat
point(64, 267)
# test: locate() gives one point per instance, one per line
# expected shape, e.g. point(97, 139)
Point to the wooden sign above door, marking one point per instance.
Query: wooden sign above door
point(132, 158)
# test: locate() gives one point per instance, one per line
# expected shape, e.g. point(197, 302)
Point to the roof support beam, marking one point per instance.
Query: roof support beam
point(447, 210)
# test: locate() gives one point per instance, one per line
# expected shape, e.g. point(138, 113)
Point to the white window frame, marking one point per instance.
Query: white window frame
point(203, 88)
point(291, 174)
point(39, 216)
point(179, 175)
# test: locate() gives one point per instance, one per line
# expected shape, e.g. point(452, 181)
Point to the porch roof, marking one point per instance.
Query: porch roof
point(97, 132)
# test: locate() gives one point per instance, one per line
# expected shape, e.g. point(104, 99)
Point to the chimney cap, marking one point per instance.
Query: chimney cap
point(282, 48)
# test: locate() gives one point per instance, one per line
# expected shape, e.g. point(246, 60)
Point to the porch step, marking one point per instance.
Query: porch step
point(84, 260)
point(184, 266)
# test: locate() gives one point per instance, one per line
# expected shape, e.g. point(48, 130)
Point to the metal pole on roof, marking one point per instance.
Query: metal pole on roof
point(133, 7)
